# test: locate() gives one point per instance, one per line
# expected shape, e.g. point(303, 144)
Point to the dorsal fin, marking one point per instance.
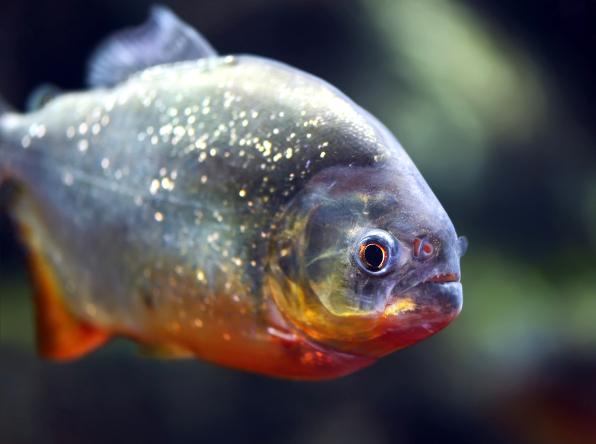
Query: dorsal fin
point(163, 38)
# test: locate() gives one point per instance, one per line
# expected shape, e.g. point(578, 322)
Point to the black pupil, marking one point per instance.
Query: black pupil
point(373, 255)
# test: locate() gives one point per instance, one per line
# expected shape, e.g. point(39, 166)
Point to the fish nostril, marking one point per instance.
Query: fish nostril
point(423, 248)
point(417, 243)
point(428, 248)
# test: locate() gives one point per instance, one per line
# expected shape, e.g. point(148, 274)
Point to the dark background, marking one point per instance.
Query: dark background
point(495, 101)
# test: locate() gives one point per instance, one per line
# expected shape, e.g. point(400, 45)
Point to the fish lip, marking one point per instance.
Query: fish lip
point(443, 278)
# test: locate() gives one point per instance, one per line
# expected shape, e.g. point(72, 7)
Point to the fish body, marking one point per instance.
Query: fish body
point(231, 208)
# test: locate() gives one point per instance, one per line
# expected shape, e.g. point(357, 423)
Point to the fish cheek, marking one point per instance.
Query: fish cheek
point(330, 268)
point(371, 293)
point(319, 270)
point(325, 255)
point(310, 266)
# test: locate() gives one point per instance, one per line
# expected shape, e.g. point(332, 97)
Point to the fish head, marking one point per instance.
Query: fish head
point(367, 261)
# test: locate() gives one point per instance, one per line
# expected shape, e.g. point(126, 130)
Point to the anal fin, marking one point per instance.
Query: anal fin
point(164, 352)
point(60, 335)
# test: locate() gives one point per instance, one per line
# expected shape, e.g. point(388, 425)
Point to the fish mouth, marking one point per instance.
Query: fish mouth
point(443, 278)
point(439, 295)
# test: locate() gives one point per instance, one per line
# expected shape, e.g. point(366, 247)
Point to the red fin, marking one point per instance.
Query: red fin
point(60, 335)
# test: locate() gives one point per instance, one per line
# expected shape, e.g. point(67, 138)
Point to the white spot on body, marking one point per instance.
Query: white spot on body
point(68, 179)
point(41, 131)
point(154, 186)
point(83, 145)
point(109, 103)
point(26, 141)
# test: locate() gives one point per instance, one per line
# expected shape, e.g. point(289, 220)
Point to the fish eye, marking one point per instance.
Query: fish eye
point(376, 251)
point(373, 255)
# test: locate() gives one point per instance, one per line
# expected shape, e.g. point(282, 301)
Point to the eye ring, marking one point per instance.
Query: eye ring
point(376, 252)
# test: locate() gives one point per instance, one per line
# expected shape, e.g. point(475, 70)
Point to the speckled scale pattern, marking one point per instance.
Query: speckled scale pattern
point(177, 176)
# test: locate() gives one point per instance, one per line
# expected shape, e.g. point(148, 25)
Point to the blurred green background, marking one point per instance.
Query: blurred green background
point(495, 101)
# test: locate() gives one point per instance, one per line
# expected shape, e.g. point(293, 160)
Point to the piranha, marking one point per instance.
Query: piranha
point(230, 208)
